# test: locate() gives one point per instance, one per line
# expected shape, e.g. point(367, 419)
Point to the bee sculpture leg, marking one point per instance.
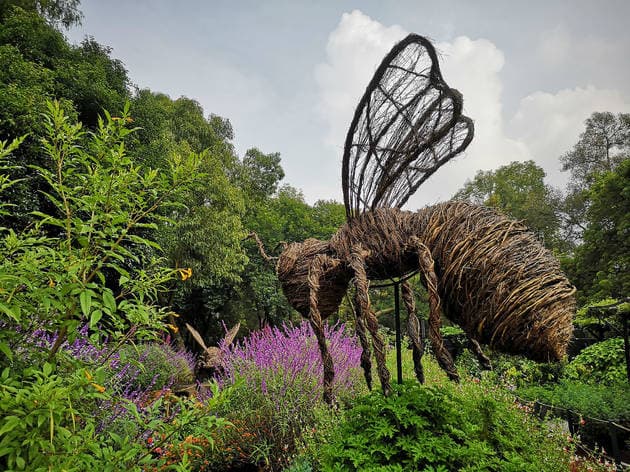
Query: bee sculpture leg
point(474, 346)
point(364, 311)
point(366, 361)
point(315, 272)
point(427, 267)
point(413, 330)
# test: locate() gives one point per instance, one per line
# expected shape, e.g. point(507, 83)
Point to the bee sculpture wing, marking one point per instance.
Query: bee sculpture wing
point(407, 125)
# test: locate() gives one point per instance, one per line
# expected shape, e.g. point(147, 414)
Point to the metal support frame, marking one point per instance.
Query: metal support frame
point(626, 344)
point(398, 334)
point(396, 284)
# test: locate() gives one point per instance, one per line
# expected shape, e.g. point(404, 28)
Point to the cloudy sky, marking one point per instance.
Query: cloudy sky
point(288, 74)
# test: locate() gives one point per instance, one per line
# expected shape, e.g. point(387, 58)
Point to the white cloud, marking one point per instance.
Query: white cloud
point(550, 124)
point(354, 50)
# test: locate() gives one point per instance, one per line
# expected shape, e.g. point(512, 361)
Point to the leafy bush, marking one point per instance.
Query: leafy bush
point(87, 419)
point(597, 401)
point(88, 259)
point(439, 429)
point(153, 366)
point(602, 363)
point(276, 377)
point(87, 267)
point(511, 371)
point(47, 424)
point(586, 401)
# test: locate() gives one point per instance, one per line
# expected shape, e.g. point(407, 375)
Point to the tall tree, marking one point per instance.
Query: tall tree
point(261, 173)
point(38, 64)
point(519, 190)
point(64, 13)
point(601, 147)
point(600, 267)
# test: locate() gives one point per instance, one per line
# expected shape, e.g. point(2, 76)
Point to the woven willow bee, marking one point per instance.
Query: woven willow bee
point(486, 273)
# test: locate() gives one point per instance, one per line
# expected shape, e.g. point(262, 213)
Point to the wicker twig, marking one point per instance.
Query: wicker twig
point(413, 330)
point(357, 264)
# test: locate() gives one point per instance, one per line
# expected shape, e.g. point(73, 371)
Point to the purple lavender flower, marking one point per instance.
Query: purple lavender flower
point(278, 360)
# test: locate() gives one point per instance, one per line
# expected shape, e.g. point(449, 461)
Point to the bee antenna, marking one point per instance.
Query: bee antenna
point(261, 247)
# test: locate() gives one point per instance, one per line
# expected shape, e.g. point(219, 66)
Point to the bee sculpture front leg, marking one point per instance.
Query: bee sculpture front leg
point(427, 266)
point(364, 311)
point(315, 273)
point(413, 329)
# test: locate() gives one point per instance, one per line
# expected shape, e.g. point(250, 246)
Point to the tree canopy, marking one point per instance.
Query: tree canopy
point(518, 189)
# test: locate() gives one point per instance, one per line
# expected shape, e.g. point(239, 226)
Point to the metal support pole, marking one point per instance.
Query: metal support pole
point(398, 336)
point(626, 344)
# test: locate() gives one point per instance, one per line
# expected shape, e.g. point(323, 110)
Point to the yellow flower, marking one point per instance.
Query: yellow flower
point(99, 388)
point(51, 283)
point(185, 274)
point(173, 328)
point(88, 375)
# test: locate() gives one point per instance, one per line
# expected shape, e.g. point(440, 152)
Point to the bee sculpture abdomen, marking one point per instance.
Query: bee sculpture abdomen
point(497, 281)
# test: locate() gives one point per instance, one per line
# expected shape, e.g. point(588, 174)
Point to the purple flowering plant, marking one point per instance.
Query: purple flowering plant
point(276, 360)
point(132, 376)
point(275, 377)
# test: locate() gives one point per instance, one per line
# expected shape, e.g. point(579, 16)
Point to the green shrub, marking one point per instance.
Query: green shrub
point(46, 424)
point(89, 262)
point(431, 428)
point(602, 363)
point(596, 401)
point(89, 259)
point(587, 401)
point(511, 371)
point(154, 366)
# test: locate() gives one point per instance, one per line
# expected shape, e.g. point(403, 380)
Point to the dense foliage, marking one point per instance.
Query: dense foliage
point(440, 428)
point(123, 215)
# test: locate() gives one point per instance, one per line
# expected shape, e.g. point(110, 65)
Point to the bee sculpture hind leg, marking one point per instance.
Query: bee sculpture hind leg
point(315, 272)
point(474, 346)
point(427, 266)
point(413, 330)
point(366, 354)
point(364, 311)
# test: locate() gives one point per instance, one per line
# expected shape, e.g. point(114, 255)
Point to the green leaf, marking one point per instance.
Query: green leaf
point(10, 422)
point(4, 347)
point(7, 311)
point(109, 301)
point(95, 318)
point(86, 302)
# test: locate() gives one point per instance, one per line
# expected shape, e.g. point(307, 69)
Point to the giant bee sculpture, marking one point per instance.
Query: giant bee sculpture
point(486, 272)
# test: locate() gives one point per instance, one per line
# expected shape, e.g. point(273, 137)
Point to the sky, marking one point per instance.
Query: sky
point(288, 74)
